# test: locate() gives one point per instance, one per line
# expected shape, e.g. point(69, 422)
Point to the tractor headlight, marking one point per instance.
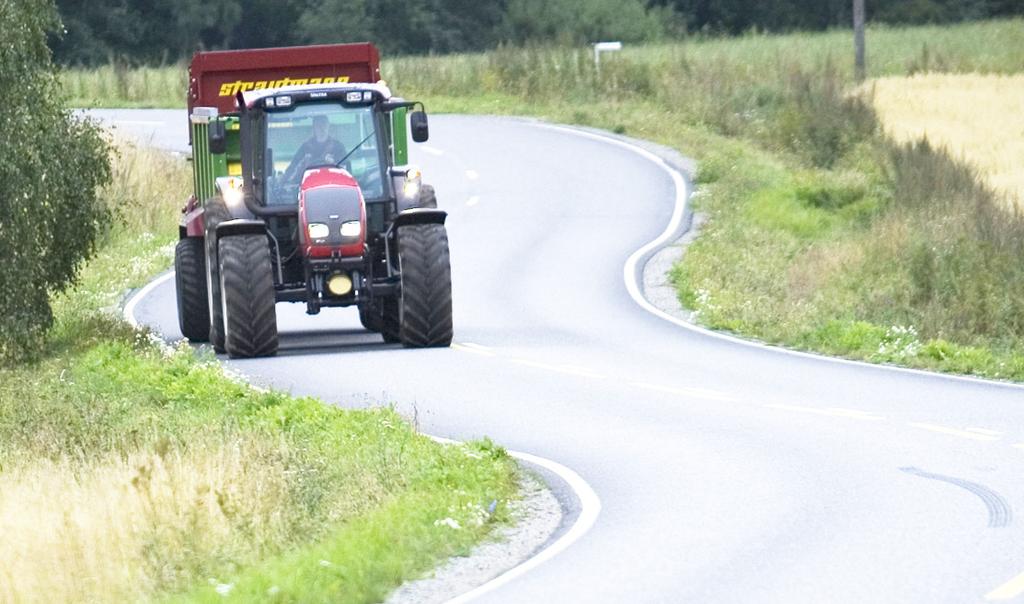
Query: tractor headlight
point(319, 230)
point(230, 188)
point(351, 229)
point(232, 197)
point(411, 188)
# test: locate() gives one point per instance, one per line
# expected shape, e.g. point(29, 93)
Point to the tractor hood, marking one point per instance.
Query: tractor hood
point(332, 214)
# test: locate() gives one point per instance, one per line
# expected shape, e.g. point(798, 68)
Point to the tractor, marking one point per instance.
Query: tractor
point(304, 194)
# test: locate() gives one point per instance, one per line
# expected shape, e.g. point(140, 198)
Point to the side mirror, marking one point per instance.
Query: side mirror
point(218, 137)
point(418, 125)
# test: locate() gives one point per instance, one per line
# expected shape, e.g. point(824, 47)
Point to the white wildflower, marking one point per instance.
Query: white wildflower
point(900, 342)
point(449, 522)
point(224, 588)
point(325, 563)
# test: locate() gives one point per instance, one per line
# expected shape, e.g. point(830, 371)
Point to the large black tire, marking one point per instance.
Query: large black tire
point(214, 213)
point(370, 317)
point(247, 291)
point(428, 198)
point(390, 327)
point(425, 305)
point(190, 283)
point(381, 317)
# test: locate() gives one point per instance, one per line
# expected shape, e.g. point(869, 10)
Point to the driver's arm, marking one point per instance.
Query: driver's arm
point(300, 158)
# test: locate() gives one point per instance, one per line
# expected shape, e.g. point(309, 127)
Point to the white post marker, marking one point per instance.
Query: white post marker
point(604, 47)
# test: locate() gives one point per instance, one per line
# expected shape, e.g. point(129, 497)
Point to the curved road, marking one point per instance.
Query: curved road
point(726, 472)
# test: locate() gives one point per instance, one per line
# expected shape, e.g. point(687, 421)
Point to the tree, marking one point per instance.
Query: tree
point(51, 165)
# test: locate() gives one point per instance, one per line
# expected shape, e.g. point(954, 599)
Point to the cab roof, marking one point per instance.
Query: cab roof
point(251, 97)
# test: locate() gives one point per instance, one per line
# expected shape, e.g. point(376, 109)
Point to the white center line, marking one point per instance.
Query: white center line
point(1009, 590)
point(463, 348)
point(954, 432)
point(567, 369)
point(431, 150)
point(985, 431)
point(686, 391)
point(831, 412)
point(473, 201)
point(477, 346)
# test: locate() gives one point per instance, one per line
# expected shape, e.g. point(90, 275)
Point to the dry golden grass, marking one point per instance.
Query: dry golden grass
point(123, 530)
point(148, 185)
point(979, 118)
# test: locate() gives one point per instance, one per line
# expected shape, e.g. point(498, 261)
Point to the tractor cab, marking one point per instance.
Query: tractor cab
point(317, 154)
point(290, 131)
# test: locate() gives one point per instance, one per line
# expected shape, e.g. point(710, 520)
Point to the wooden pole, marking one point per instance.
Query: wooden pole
point(858, 38)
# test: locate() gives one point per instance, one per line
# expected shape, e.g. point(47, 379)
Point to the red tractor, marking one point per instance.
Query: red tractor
point(300, 162)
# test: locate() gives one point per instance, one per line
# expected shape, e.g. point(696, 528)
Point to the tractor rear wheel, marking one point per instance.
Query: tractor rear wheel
point(190, 283)
point(425, 305)
point(381, 317)
point(247, 292)
point(390, 326)
point(214, 212)
point(370, 317)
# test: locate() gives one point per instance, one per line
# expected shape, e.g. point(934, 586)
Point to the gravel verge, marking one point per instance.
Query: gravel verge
point(539, 516)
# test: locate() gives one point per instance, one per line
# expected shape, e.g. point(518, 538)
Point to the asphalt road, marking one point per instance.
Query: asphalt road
point(726, 472)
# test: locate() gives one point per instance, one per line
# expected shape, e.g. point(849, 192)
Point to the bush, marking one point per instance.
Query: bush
point(51, 164)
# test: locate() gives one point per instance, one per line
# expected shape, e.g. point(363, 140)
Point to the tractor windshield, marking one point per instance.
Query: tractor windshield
point(321, 134)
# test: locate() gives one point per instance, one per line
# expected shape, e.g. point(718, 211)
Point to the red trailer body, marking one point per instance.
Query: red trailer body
point(216, 77)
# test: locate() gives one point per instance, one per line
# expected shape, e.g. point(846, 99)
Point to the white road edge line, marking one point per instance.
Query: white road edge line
point(590, 508)
point(631, 272)
point(129, 307)
point(590, 503)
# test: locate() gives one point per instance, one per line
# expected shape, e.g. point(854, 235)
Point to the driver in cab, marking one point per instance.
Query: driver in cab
point(319, 149)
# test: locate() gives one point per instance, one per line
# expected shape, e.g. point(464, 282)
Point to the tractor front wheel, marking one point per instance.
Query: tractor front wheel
point(425, 305)
point(247, 294)
point(190, 283)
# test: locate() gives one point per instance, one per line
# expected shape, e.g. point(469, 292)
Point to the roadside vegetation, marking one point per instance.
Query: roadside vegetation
point(130, 472)
point(823, 233)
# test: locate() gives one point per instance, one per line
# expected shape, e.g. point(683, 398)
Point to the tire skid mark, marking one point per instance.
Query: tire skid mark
point(999, 512)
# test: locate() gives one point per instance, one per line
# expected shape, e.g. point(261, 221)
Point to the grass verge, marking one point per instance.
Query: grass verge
point(133, 473)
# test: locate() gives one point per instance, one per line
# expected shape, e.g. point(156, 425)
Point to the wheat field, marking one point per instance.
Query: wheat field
point(979, 118)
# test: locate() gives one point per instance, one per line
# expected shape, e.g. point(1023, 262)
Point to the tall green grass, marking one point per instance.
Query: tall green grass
point(683, 73)
point(117, 85)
